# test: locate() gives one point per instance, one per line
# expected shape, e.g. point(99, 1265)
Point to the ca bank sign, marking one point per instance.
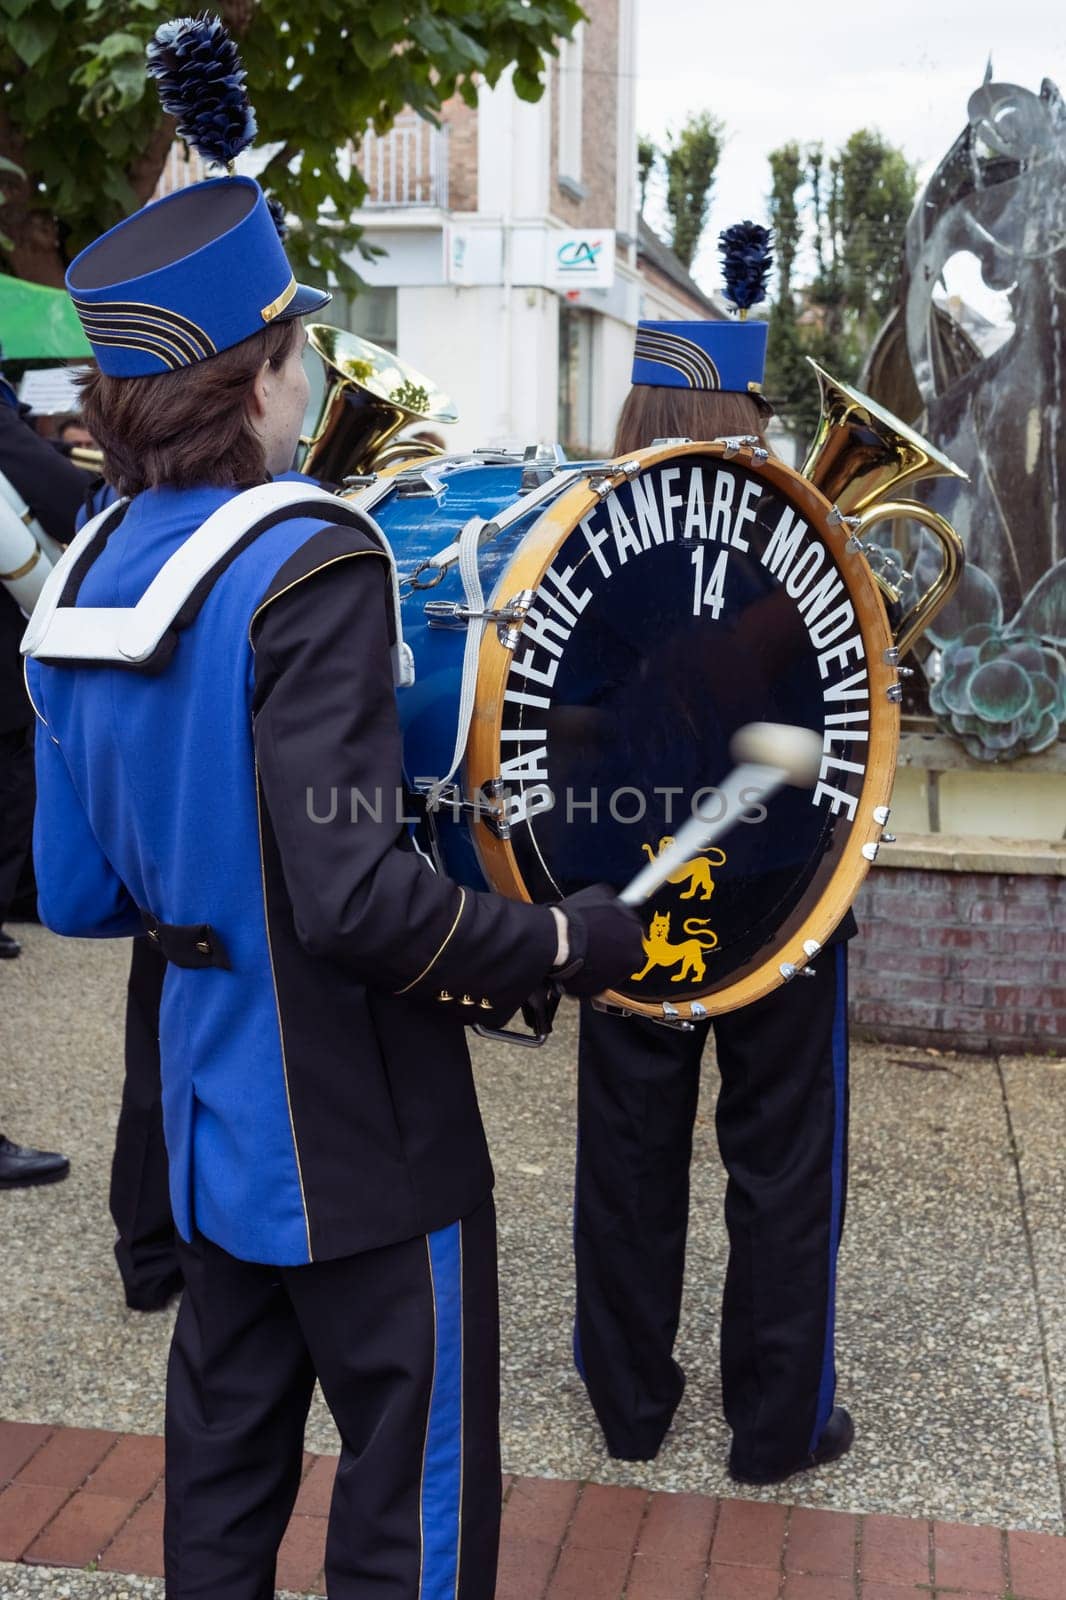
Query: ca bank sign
point(581, 260)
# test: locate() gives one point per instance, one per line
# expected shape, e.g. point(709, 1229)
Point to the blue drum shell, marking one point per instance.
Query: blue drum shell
point(417, 527)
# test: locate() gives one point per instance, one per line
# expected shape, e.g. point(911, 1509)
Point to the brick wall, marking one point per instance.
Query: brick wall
point(599, 125)
point(462, 154)
point(961, 960)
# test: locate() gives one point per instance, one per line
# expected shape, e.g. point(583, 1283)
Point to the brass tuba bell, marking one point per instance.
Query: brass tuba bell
point(860, 455)
point(370, 395)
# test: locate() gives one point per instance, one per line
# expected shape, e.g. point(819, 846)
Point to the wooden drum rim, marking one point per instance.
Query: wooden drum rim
point(526, 571)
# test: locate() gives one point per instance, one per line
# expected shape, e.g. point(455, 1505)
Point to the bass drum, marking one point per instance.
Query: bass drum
point(646, 610)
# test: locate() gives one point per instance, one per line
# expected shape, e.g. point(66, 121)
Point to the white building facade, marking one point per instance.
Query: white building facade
point(512, 271)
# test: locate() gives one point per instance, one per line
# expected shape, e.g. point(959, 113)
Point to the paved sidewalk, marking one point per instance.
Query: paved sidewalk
point(951, 1333)
point(76, 1498)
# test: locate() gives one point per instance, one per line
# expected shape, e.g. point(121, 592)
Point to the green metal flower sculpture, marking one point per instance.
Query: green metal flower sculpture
point(1002, 693)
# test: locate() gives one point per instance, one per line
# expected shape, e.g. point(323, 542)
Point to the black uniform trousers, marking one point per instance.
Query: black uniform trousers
point(782, 1132)
point(405, 1342)
point(145, 1248)
point(17, 795)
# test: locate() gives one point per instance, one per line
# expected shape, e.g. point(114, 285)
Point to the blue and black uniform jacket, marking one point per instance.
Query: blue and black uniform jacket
point(317, 1093)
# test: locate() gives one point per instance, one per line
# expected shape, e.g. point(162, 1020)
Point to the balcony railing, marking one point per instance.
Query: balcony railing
point(408, 166)
point(180, 171)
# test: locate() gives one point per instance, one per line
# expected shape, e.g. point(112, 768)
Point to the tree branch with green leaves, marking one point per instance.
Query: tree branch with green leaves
point(83, 140)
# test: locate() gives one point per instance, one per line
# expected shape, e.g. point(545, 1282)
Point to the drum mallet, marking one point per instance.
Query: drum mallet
point(770, 754)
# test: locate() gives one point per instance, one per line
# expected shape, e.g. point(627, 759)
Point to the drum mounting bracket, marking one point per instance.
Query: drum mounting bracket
point(508, 618)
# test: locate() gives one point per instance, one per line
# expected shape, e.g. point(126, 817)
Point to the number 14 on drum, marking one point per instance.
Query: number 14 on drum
point(711, 598)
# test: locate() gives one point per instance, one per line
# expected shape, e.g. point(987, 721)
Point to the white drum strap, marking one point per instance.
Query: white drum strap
point(131, 635)
point(467, 547)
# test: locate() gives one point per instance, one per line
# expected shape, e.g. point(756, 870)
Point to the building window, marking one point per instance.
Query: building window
point(576, 342)
point(571, 93)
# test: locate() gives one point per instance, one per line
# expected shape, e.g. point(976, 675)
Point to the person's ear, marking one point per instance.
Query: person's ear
point(262, 389)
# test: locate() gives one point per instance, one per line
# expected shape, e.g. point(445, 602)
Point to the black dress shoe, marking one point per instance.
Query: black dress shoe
point(9, 947)
point(20, 1168)
point(835, 1441)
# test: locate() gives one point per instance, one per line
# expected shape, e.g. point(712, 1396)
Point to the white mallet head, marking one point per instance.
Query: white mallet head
point(795, 751)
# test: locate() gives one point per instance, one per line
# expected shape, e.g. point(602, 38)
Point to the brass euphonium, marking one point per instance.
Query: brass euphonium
point(370, 395)
point(860, 455)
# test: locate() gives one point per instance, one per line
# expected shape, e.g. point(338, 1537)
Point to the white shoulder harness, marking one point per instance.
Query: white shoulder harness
point(130, 635)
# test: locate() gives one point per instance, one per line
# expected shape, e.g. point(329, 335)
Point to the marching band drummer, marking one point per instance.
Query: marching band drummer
point(782, 1103)
point(329, 1175)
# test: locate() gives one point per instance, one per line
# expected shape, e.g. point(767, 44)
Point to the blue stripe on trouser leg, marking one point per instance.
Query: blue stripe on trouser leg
point(442, 1471)
point(827, 1385)
point(579, 1358)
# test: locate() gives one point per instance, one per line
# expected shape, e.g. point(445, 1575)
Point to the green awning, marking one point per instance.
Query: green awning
point(39, 324)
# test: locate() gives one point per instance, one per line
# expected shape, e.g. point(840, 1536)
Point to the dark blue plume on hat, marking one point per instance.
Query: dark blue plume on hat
point(277, 215)
point(200, 79)
point(746, 263)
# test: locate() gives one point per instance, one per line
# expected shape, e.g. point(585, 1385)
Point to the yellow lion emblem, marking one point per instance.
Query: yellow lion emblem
point(688, 954)
point(697, 873)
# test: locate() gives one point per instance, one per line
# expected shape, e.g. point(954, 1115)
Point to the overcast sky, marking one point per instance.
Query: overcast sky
point(787, 70)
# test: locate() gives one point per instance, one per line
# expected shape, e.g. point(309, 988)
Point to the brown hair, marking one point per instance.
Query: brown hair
point(188, 427)
point(652, 413)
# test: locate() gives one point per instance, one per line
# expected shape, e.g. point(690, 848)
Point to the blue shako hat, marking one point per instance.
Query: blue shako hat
point(191, 275)
point(728, 356)
point(204, 268)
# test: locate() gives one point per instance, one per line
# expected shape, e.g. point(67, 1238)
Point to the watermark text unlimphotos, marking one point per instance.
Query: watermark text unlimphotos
point(591, 806)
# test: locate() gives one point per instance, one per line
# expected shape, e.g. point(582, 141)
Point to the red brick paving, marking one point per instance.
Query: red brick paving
point(1037, 1565)
point(66, 1459)
point(750, 1533)
point(969, 1558)
point(25, 1508)
point(131, 1470)
point(139, 1546)
point(18, 1442)
point(821, 1541)
point(740, 1583)
point(85, 1526)
point(75, 1496)
point(895, 1550)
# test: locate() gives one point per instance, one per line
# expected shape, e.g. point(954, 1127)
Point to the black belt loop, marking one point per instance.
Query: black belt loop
point(191, 944)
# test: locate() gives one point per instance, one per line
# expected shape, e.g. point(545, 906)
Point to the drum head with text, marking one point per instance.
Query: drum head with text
point(698, 596)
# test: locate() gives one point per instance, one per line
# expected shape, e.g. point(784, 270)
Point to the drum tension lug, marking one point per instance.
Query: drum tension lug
point(894, 693)
point(672, 1018)
point(840, 519)
point(735, 443)
point(510, 631)
point(421, 486)
point(540, 462)
point(487, 808)
point(508, 618)
point(492, 810)
point(603, 483)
